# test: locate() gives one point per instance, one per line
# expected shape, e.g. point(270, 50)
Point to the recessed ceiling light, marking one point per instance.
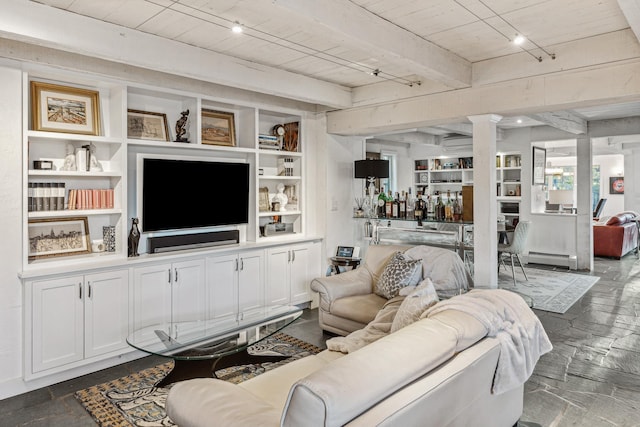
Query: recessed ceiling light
point(519, 39)
point(237, 28)
point(519, 121)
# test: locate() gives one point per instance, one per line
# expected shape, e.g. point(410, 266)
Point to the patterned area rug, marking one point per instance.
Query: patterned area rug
point(553, 291)
point(135, 401)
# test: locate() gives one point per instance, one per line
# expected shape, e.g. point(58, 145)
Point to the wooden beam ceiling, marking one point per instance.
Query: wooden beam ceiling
point(35, 23)
point(375, 34)
point(631, 11)
point(562, 120)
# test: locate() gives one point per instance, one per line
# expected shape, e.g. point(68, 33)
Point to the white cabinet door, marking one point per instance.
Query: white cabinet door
point(188, 291)
point(106, 315)
point(151, 295)
point(222, 287)
point(278, 289)
point(305, 266)
point(57, 317)
point(251, 284)
point(299, 277)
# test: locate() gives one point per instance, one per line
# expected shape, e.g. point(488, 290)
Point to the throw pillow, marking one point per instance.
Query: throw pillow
point(399, 272)
point(423, 297)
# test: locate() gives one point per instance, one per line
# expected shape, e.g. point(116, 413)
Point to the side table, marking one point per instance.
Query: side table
point(337, 262)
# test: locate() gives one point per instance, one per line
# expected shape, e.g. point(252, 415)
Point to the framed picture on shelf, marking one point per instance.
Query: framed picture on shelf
point(616, 185)
point(539, 162)
point(56, 108)
point(290, 138)
point(53, 237)
point(218, 128)
point(264, 204)
point(147, 125)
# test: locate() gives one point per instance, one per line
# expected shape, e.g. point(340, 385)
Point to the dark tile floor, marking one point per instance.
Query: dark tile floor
point(590, 379)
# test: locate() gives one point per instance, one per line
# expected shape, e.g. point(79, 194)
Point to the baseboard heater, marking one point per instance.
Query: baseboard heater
point(192, 241)
point(569, 261)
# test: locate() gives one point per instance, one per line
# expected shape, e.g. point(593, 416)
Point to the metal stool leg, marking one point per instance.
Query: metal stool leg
point(513, 270)
point(522, 267)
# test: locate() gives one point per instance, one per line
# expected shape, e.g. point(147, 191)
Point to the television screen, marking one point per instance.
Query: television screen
point(179, 194)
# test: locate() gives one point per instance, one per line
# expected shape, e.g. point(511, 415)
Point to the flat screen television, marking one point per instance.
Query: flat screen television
point(180, 194)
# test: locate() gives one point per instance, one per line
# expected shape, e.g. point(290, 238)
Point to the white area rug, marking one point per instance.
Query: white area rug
point(554, 291)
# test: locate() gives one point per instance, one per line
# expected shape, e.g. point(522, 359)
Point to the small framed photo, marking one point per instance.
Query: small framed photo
point(291, 137)
point(54, 237)
point(147, 125)
point(616, 185)
point(56, 108)
point(218, 128)
point(539, 163)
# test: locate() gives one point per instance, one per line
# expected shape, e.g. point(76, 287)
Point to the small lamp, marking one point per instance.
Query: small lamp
point(371, 169)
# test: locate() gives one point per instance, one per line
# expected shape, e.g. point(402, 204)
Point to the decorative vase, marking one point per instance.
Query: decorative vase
point(109, 237)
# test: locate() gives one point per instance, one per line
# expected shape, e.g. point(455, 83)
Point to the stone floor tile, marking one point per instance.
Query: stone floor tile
point(630, 342)
point(598, 373)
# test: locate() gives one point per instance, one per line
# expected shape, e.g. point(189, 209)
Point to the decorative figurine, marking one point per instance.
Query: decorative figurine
point(134, 237)
point(280, 198)
point(70, 159)
point(181, 127)
point(94, 164)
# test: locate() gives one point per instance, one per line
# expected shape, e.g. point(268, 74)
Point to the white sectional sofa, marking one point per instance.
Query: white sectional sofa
point(435, 372)
point(462, 363)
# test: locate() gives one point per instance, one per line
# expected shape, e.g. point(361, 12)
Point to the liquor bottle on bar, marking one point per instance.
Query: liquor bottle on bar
point(389, 206)
point(382, 201)
point(418, 207)
point(411, 203)
point(440, 210)
point(395, 207)
point(431, 207)
point(403, 205)
point(457, 208)
point(448, 208)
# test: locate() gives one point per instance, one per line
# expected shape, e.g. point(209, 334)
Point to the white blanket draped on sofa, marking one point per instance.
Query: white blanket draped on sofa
point(508, 318)
point(376, 329)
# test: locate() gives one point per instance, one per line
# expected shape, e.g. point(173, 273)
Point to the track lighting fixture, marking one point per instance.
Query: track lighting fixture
point(236, 28)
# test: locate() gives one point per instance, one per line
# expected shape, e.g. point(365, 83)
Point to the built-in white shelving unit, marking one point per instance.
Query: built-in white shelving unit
point(80, 307)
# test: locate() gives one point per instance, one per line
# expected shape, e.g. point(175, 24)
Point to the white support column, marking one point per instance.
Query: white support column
point(584, 222)
point(631, 180)
point(485, 205)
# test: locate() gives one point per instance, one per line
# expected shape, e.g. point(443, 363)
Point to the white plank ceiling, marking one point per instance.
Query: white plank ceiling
point(359, 43)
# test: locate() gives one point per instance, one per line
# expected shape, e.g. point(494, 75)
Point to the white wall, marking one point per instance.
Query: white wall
point(11, 220)
point(341, 190)
point(610, 166)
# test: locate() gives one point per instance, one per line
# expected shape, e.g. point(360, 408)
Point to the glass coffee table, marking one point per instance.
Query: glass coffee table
point(201, 348)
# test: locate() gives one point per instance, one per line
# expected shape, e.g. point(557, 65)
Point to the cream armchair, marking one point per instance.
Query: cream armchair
point(348, 301)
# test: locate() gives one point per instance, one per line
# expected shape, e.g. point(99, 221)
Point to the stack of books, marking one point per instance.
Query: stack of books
point(269, 142)
point(91, 199)
point(45, 196)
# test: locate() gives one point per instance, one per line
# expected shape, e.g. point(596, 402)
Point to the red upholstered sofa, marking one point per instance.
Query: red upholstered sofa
point(615, 236)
